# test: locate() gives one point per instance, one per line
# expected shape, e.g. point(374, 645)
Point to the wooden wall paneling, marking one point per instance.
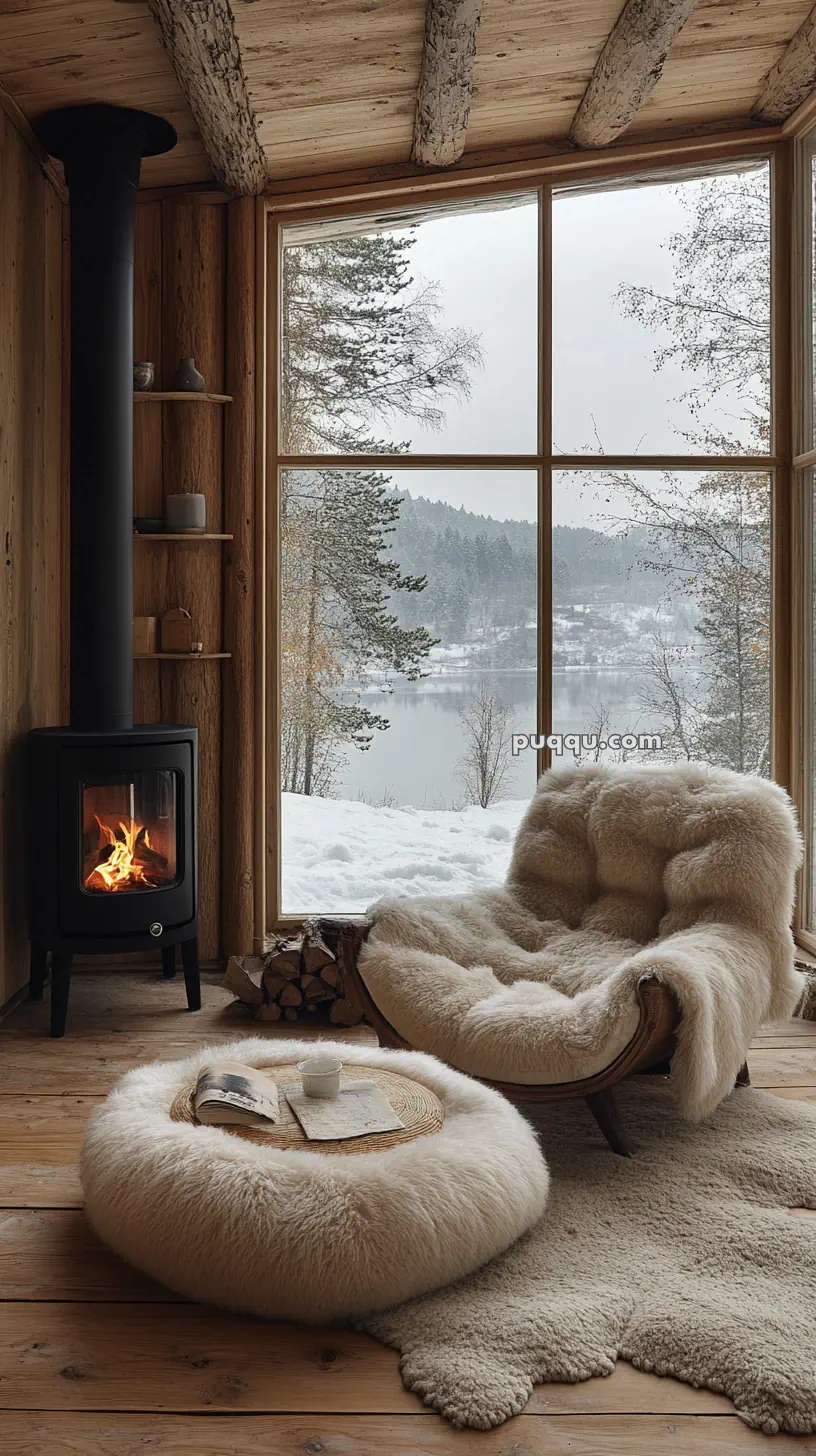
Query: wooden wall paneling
point(30, 434)
point(784, 726)
point(265, 323)
point(193, 279)
point(238, 737)
point(151, 562)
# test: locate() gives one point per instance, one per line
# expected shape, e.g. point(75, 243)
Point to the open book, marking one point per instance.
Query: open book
point(229, 1094)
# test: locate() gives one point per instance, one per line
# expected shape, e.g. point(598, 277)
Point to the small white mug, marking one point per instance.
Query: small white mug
point(320, 1076)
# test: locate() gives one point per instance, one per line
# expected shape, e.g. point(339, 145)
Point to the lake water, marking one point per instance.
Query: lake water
point(416, 760)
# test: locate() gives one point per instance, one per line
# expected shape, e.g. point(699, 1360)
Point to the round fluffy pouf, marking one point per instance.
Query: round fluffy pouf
point(293, 1234)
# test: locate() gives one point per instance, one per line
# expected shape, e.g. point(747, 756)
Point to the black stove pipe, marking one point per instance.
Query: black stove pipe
point(101, 147)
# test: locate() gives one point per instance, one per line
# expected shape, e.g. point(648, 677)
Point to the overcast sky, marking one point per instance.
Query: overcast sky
point(607, 394)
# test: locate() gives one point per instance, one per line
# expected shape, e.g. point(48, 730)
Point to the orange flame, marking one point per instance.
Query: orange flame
point(125, 860)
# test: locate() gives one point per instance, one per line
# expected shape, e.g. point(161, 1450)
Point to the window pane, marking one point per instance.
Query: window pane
point(810, 364)
point(661, 317)
point(417, 333)
point(807, 727)
point(408, 621)
point(661, 614)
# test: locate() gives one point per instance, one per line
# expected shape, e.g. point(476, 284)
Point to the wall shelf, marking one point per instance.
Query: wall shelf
point(186, 395)
point(179, 656)
point(180, 536)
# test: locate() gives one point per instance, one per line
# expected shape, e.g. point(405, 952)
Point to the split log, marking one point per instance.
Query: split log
point(332, 977)
point(290, 1014)
point(315, 989)
point(269, 1012)
point(290, 995)
point(315, 952)
point(445, 82)
point(343, 1013)
point(238, 980)
point(792, 79)
point(287, 959)
point(628, 69)
point(273, 982)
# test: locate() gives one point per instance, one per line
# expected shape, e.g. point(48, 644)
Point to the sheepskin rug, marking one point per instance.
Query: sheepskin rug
point(683, 1260)
point(299, 1235)
point(619, 872)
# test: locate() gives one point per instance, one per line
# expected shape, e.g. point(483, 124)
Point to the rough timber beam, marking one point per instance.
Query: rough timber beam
point(199, 37)
point(628, 69)
point(792, 79)
point(445, 82)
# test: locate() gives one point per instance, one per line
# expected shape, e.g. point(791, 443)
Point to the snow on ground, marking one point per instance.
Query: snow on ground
point(339, 856)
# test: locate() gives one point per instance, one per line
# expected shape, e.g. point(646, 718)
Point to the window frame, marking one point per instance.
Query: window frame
point(544, 177)
point(803, 247)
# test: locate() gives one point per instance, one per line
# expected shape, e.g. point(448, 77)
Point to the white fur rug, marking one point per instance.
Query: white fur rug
point(682, 1260)
point(619, 872)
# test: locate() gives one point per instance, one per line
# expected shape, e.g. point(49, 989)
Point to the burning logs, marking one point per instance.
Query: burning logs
point(297, 977)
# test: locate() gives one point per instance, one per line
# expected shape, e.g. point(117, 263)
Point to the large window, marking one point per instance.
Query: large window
point(526, 470)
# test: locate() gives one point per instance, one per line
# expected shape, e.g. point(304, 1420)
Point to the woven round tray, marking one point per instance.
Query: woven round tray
point(419, 1108)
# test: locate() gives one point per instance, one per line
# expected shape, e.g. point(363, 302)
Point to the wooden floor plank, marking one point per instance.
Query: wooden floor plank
point(770, 1067)
point(40, 1139)
point(794, 1094)
point(28, 1434)
point(92, 1064)
point(105, 1357)
point(53, 1254)
point(124, 1005)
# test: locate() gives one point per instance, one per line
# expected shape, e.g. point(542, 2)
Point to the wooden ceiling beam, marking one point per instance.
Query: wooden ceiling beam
point(628, 69)
point(199, 37)
point(445, 82)
point(792, 79)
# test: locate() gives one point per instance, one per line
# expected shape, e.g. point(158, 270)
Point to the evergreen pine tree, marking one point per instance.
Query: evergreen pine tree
point(360, 346)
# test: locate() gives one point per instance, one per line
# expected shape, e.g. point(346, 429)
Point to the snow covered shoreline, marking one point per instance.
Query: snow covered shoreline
point(340, 855)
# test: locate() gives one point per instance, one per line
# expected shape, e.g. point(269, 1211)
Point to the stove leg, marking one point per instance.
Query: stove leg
point(39, 971)
point(168, 956)
point(192, 980)
point(60, 986)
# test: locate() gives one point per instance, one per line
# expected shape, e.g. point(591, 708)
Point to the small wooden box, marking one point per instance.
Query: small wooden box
point(145, 635)
point(176, 631)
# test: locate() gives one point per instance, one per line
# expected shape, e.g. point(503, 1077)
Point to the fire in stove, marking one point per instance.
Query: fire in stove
point(125, 859)
point(129, 834)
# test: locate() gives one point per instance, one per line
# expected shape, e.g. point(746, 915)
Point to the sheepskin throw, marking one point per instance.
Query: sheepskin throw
point(293, 1234)
point(619, 872)
point(683, 1260)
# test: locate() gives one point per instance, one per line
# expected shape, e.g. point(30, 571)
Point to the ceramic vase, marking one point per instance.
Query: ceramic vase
point(187, 377)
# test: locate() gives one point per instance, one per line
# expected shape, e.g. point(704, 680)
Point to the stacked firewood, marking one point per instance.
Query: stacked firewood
point(296, 977)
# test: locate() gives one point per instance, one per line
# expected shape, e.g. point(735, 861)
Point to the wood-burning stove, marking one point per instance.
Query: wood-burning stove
point(112, 824)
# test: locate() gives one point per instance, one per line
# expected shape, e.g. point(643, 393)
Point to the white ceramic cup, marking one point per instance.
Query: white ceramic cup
point(321, 1076)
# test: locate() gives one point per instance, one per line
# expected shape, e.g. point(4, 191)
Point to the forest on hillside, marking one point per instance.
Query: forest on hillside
point(481, 577)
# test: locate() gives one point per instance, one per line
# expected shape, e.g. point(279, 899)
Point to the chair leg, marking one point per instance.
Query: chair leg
point(192, 979)
point(60, 987)
point(604, 1109)
point(168, 956)
point(38, 972)
point(743, 1076)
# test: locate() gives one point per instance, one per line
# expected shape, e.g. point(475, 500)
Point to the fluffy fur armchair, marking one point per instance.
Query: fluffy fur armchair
point(622, 875)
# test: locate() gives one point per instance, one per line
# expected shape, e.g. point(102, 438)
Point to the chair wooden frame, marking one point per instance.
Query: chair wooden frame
point(649, 1049)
